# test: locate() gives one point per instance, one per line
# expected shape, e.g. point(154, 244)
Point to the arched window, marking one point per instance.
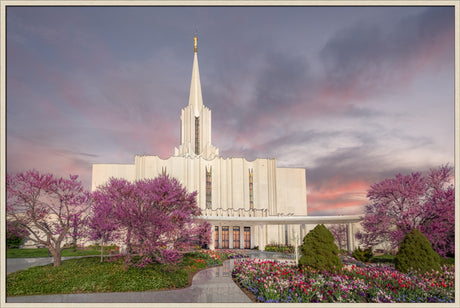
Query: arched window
point(197, 135)
point(209, 188)
point(251, 189)
point(247, 237)
point(225, 242)
point(236, 237)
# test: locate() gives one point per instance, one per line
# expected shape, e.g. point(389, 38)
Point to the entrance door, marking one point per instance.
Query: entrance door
point(216, 237)
point(225, 237)
point(247, 237)
point(236, 237)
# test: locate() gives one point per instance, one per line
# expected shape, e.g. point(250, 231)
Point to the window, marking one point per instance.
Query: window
point(251, 189)
point(247, 237)
point(216, 237)
point(236, 237)
point(197, 135)
point(225, 237)
point(209, 188)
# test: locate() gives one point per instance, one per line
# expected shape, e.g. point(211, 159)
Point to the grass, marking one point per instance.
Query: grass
point(43, 252)
point(89, 275)
point(388, 258)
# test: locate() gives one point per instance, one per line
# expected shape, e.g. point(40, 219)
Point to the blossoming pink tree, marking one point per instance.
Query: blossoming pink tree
point(405, 202)
point(340, 234)
point(158, 216)
point(46, 207)
point(102, 223)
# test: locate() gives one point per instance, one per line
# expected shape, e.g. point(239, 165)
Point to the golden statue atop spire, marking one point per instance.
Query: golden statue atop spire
point(196, 41)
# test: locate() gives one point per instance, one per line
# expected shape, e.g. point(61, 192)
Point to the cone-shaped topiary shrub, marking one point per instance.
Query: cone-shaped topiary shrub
point(319, 250)
point(363, 255)
point(416, 253)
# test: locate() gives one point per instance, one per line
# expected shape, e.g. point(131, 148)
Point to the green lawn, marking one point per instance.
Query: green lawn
point(90, 275)
point(43, 252)
point(387, 258)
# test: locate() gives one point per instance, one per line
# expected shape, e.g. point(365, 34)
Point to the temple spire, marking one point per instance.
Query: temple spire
point(196, 120)
point(195, 99)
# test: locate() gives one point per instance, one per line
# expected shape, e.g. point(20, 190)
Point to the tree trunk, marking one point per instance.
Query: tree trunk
point(74, 244)
point(102, 250)
point(128, 242)
point(56, 252)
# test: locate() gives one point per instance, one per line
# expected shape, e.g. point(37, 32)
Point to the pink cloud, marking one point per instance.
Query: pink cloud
point(338, 196)
point(22, 156)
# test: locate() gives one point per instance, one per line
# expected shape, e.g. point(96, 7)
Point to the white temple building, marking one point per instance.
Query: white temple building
point(249, 203)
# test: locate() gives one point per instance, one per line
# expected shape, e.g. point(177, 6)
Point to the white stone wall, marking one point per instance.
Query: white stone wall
point(291, 191)
point(102, 173)
point(277, 191)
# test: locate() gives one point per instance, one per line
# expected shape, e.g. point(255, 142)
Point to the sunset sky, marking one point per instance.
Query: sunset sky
point(352, 94)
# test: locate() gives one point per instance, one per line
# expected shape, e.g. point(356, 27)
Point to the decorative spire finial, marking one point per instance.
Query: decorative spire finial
point(196, 42)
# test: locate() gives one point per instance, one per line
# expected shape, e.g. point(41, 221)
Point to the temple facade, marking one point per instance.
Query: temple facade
point(249, 203)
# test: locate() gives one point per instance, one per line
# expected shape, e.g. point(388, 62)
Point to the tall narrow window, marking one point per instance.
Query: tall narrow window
point(247, 237)
point(197, 135)
point(251, 189)
point(209, 188)
point(225, 237)
point(236, 237)
point(216, 237)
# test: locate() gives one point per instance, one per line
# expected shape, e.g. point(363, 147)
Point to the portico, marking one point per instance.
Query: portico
point(223, 224)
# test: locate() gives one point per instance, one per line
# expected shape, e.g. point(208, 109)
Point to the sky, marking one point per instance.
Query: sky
point(352, 94)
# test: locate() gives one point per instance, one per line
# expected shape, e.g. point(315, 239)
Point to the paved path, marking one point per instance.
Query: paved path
point(212, 285)
point(17, 264)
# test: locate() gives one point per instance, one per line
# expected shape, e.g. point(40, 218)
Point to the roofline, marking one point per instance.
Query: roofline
point(277, 220)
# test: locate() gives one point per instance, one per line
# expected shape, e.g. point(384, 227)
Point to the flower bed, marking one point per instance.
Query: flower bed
point(280, 248)
point(271, 281)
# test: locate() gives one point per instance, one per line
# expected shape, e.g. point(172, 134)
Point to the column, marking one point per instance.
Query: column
point(286, 235)
point(260, 237)
point(230, 236)
point(220, 237)
point(350, 237)
point(242, 237)
point(211, 245)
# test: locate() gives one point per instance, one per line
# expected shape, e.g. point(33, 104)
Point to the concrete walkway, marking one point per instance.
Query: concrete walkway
point(17, 264)
point(212, 285)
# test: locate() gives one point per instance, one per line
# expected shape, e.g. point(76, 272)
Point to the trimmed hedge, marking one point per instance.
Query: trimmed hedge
point(416, 253)
point(319, 250)
point(363, 255)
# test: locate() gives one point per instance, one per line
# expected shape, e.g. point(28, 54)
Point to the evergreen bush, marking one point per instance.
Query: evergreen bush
point(416, 253)
point(319, 250)
point(13, 241)
point(363, 255)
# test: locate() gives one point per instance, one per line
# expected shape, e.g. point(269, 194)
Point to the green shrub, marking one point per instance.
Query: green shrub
point(319, 250)
point(387, 258)
point(416, 253)
point(363, 255)
point(279, 248)
point(447, 261)
point(13, 241)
